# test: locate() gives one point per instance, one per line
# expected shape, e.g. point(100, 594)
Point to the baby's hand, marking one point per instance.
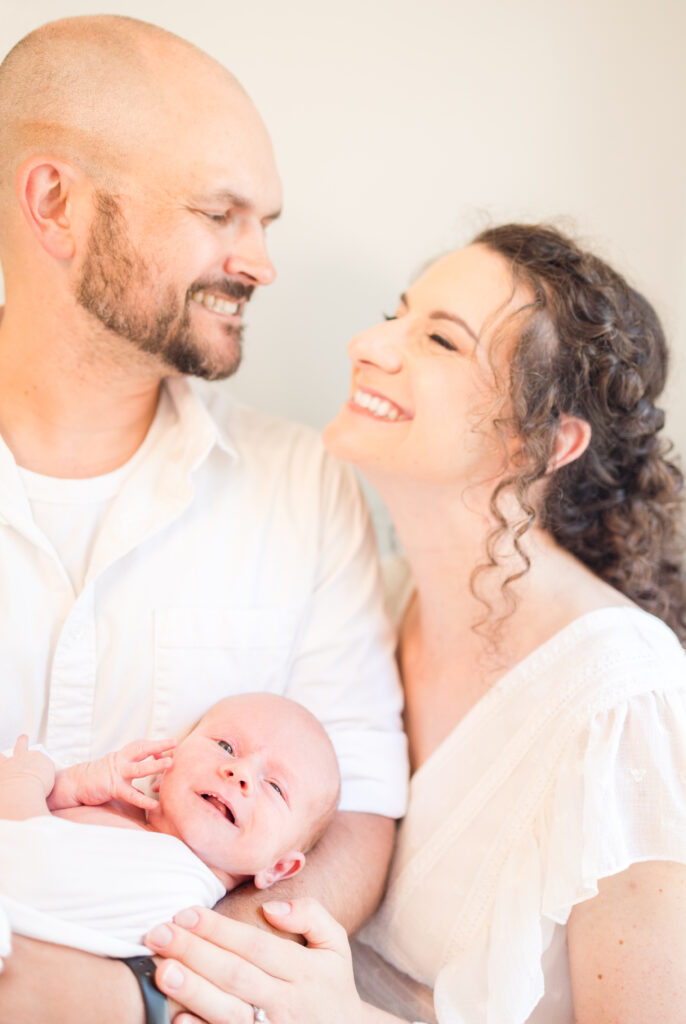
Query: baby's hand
point(27, 763)
point(109, 778)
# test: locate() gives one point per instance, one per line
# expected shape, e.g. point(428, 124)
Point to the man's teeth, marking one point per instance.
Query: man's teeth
point(215, 303)
point(380, 407)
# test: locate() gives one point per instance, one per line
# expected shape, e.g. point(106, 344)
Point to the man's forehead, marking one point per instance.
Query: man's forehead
point(230, 164)
point(118, 91)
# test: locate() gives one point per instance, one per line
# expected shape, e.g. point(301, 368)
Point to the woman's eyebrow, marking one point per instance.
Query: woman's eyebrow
point(441, 314)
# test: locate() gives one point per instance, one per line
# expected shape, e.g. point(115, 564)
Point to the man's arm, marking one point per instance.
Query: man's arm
point(345, 871)
point(53, 984)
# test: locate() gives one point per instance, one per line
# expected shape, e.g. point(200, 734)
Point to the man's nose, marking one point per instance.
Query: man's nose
point(238, 773)
point(248, 257)
point(380, 346)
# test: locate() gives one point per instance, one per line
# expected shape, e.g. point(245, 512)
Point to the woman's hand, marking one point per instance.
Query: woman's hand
point(221, 968)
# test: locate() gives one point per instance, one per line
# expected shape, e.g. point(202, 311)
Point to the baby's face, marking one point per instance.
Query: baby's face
point(247, 785)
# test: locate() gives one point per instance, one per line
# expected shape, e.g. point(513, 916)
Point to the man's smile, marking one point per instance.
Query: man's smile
point(217, 304)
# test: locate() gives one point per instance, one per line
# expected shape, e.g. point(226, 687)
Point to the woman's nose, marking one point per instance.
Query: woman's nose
point(381, 346)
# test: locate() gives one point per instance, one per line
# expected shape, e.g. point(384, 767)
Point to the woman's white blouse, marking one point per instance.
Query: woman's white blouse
point(571, 768)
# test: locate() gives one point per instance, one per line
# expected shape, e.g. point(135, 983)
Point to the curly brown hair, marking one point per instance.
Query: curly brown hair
point(591, 346)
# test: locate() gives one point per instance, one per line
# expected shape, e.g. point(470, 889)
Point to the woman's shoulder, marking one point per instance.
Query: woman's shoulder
point(624, 646)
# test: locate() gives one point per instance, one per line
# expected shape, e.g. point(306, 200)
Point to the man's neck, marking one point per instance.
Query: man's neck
point(67, 408)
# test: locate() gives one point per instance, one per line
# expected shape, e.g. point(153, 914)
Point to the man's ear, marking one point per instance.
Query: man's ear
point(285, 867)
point(45, 188)
point(573, 438)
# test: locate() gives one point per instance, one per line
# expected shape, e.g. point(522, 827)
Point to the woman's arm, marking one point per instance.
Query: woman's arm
point(627, 948)
point(221, 967)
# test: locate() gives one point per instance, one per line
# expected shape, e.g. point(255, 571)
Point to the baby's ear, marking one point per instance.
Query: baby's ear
point(285, 867)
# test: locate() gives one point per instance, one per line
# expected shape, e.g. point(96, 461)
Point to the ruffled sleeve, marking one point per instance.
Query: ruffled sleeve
point(618, 797)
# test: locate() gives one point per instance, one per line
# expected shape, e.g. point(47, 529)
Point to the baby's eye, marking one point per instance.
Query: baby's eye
point(276, 788)
point(225, 745)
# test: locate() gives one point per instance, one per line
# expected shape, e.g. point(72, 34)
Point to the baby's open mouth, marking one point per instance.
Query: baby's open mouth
point(219, 804)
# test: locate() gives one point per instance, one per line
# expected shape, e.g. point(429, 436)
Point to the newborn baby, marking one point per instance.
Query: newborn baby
point(245, 795)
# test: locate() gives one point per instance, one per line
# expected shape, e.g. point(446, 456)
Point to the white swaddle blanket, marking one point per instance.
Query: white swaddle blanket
point(94, 887)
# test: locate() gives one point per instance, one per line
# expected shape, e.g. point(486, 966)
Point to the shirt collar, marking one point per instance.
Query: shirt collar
point(196, 417)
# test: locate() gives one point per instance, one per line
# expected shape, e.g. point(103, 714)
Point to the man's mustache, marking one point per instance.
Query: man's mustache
point(235, 290)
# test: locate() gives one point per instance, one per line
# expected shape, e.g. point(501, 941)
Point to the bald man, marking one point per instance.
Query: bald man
point(161, 548)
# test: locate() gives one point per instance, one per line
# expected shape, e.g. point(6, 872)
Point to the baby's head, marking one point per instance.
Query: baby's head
point(251, 789)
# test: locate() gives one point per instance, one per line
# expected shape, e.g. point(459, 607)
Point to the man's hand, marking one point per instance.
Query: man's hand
point(97, 782)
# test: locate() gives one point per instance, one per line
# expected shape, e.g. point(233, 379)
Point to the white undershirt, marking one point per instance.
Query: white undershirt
point(69, 512)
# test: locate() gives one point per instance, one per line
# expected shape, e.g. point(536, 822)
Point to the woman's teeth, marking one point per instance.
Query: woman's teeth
point(380, 407)
point(216, 304)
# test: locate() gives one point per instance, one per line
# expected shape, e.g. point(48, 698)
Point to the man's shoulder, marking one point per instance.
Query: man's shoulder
point(270, 444)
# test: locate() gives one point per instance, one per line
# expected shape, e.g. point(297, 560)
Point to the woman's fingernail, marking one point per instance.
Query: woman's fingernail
point(277, 907)
point(172, 976)
point(161, 935)
point(187, 918)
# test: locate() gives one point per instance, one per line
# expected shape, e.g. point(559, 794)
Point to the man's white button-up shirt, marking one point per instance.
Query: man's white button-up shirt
point(237, 556)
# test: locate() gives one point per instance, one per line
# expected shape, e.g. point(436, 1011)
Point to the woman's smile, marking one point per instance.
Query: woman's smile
point(377, 406)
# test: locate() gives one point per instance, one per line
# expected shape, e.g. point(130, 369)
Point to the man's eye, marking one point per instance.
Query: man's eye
point(387, 317)
point(218, 218)
point(225, 745)
point(443, 342)
point(277, 788)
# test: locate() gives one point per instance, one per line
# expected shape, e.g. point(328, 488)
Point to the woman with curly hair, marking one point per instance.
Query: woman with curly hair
point(507, 416)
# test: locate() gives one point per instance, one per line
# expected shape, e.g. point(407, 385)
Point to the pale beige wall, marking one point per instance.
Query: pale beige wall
point(400, 127)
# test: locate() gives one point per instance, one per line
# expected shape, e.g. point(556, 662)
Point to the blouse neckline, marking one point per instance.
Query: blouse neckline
point(532, 663)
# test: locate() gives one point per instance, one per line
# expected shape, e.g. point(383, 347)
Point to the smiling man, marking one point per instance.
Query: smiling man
point(161, 548)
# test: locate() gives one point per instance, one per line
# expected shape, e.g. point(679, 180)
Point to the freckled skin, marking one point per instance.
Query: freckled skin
point(635, 943)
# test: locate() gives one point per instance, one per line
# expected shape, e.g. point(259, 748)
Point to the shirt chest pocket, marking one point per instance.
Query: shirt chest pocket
point(204, 654)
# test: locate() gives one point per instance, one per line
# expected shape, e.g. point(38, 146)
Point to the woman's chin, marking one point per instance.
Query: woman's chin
point(339, 440)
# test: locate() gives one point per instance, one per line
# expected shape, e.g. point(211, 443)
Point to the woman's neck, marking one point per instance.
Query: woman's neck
point(444, 535)
point(444, 541)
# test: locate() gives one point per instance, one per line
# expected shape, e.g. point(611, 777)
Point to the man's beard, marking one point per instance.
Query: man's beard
point(119, 289)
